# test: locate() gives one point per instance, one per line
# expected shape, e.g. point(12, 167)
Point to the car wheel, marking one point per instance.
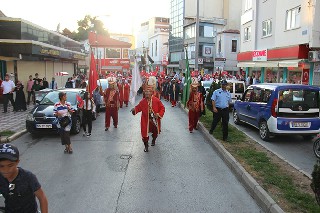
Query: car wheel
point(76, 126)
point(316, 147)
point(307, 137)
point(236, 118)
point(264, 131)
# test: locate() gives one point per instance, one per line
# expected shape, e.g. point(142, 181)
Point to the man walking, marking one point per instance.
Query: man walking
point(8, 88)
point(111, 99)
point(53, 84)
point(30, 91)
point(220, 105)
point(152, 111)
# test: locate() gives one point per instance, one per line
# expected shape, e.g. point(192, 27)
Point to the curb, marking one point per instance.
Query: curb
point(13, 137)
point(251, 185)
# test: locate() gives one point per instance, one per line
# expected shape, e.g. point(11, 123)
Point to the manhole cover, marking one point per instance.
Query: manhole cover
point(126, 157)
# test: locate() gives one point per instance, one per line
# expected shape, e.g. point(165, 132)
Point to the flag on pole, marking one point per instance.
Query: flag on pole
point(187, 82)
point(136, 82)
point(93, 75)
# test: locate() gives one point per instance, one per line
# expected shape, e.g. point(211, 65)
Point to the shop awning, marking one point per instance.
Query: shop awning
point(258, 64)
point(290, 63)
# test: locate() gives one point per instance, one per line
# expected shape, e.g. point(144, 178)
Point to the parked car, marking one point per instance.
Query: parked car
point(41, 118)
point(280, 109)
point(236, 88)
point(41, 93)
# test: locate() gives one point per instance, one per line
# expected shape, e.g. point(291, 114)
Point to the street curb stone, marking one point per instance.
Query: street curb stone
point(263, 199)
point(13, 137)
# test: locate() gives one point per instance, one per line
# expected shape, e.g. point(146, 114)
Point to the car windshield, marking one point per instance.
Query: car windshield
point(290, 98)
point(53, 97)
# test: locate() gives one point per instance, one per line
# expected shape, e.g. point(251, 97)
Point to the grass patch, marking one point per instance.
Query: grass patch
point(6, 133)
point(279, 185)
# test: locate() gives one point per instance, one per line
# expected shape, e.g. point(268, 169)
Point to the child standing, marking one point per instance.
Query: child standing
point(19, 187)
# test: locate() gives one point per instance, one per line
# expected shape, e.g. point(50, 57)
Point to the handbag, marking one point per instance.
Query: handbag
point(64, 121)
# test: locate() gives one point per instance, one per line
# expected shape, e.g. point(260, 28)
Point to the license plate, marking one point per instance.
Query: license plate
point(43, 126)
point(300, 125)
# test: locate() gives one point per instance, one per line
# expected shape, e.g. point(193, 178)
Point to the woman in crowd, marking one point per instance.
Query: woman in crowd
point(88, 110)
point(45, 83)
point(20, 101)
point(63, 110)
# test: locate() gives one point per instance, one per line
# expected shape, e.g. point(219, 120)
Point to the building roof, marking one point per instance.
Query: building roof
point(102, 40)
point(2, 14)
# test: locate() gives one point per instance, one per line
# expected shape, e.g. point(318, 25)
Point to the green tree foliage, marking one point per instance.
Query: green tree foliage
point(86, 25)
point(315, 185)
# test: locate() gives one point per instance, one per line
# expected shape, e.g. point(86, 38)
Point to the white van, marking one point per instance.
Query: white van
point(236, 88)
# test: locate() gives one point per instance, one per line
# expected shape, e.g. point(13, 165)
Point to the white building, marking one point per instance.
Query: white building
point(152, 40)
point(276, 37)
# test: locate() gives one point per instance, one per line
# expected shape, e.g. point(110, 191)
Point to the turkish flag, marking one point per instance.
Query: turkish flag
point(93, 75)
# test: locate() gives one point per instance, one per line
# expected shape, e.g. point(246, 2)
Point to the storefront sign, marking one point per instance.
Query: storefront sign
point(50, 52)
point(207, 51)
point(259, 55)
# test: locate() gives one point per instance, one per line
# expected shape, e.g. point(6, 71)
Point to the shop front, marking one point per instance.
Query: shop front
point(282, 65)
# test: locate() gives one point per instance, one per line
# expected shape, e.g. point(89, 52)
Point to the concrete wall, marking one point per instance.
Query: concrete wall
point(232, 13)
point(294, 36)
point(207, 8)
point(231, 57)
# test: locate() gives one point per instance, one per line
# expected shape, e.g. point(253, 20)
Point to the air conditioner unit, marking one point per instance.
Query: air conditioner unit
point(314, 56)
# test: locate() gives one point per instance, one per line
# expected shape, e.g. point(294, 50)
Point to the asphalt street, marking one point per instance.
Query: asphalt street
point(109, 172)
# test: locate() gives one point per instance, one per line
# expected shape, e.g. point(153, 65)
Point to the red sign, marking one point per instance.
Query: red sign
point(124, 63)
point(305, 77)
point(259, 55)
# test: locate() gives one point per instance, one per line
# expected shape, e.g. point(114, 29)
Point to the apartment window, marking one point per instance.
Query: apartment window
point(293, 18)
point(234, 46)
point(155, 54)
point(247, 33)
point(266, 28)
point(247, 5)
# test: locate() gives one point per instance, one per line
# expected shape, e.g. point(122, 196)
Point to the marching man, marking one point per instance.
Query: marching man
point(152, 111)
point(195, 105)
point(111, 99)
point(126, 92)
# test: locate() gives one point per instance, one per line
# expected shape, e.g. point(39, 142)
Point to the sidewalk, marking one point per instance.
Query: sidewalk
point(13, 121)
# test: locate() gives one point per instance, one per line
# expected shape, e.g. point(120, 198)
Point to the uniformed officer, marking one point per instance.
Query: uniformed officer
point(220, 104)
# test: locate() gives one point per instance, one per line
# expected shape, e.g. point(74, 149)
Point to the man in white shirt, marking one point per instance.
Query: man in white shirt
point(8, 88)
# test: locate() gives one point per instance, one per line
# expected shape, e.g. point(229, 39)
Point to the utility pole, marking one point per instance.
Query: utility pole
point(196, 66)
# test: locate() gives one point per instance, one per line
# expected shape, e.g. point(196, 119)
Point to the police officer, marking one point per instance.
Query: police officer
point(220, 104)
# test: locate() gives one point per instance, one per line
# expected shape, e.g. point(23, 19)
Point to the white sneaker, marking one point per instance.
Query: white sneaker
point(88, 135)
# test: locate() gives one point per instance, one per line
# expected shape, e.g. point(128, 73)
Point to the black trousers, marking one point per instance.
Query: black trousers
point(87, 120)
point(6, 98)
point(224, 114)
point(31, 95)
point(97, 108)
point(65, 137)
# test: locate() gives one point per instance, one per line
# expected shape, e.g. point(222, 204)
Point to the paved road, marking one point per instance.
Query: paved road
point(294, 149)
point(109, 172)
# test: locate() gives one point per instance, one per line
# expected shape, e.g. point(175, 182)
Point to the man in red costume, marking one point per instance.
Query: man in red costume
point(195, 105)
point(120, 88)
point(111, 99)
point(126, 92)
point(152, 111)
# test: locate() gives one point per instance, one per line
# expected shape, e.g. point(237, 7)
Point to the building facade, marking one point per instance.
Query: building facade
point(111, 55)
point(218, 22)
point(26, 49)
point(277, 37)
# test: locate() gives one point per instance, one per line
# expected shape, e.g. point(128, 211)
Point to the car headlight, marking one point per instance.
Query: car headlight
point(30, 117)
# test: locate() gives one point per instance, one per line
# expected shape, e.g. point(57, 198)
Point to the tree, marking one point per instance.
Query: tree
point(66, 32)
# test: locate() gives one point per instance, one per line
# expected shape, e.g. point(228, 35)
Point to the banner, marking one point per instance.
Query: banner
point(136, 82)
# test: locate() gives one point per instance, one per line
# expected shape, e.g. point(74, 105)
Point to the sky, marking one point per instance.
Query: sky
point(119, 16)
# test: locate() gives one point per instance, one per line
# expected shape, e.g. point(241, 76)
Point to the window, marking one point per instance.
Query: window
point(293, 18)
point(247, 5)
point(113, 53)
point(234, 46)
point(247, 33)
point(266, 28)
point(248, 95)
point(155, 54)
point(266, 96)
point(257, 95)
